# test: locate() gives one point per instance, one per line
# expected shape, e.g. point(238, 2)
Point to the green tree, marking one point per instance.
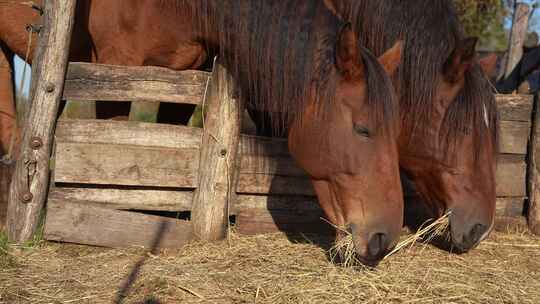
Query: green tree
point(485, 19)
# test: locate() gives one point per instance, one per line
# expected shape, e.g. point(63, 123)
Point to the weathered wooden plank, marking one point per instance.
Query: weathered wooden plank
point(128, 133)
point(157, 135)
point(86, 81)
point(85, 224)
point(104, 164)
point(514, 137)
point(255, 145)
point(260, 164)
point(255, 221)
point(126, 199)
point(511, 172)
point(510, 206)
point(273, 184)
point(31, 178)
point(513, 107)
point(219, 147)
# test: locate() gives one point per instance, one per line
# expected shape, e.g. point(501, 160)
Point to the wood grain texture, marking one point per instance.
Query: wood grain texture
point(30, 181)
point(533, 169)
point(510, 176)
point(513, 107)
point(518, 35)
point(5, 178)
point(126, 199)
point(87, 81)
point(510, 206)
point(514, 137)
point(128, 133)
point(219, 147)
point(84, 224)
point(256, 221)
point(273, 184)
point(106, 164)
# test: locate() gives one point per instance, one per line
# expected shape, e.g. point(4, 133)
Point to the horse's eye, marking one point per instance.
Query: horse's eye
point(361, 130)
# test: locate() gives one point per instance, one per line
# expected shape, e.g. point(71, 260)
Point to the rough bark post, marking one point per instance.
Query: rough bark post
point(533, 169)
point(30, 181)
point(517, 37)
point(209, 213)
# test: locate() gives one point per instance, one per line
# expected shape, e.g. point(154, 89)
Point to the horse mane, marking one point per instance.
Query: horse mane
point(280, 52)
point(431, 30)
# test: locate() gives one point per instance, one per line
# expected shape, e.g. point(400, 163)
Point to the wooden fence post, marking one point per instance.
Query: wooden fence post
point(533, 216)
point(518, 36)
point(30, 181)
point(219, 148)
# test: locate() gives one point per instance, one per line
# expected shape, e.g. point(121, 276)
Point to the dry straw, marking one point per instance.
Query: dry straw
point(343, 251)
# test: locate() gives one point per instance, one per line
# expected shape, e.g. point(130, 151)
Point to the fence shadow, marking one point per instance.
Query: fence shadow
point(126, 287)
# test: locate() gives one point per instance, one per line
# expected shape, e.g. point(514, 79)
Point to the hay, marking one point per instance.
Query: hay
point(343, 252)
point(272, 269)
point(427, 233)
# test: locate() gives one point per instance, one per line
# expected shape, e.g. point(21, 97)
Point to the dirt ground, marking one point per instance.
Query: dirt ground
point(270, 269)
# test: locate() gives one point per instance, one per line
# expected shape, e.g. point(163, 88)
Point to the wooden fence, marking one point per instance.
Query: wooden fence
point(106, 174)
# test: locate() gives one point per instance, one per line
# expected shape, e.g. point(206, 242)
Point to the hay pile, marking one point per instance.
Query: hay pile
point(272, 269)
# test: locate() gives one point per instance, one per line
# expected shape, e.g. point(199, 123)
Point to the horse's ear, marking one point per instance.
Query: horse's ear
point(348, 58)
point(391, 59)
point(489, 65)
point(460, 60)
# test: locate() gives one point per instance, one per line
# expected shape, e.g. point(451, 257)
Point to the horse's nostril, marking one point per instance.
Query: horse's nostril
point(476, 233)
point(378, 245)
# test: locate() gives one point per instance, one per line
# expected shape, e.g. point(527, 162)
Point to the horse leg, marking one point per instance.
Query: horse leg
point(7, 128)
point(8, 114)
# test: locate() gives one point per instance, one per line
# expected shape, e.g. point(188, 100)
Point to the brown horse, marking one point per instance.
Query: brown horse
point(296, 60)
point(448, 144)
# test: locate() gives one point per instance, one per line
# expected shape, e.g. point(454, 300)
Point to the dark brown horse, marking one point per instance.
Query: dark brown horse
point(293, 59)
point(448, 143)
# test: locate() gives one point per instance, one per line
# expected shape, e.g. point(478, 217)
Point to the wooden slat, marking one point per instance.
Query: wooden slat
point(156, 135)
point(266, 202)
point(514, 107)
point(252, 221)
point(84, 224)
point(259, 164)
point(126, 199)
point(514, 137)
point(511, 172)
point(510, 206)
point(86, 81)
point(126, 165)
point(128, 133)
point(272, 184)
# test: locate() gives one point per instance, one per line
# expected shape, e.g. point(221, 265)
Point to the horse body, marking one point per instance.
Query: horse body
point(448, 142)
point(295, 60)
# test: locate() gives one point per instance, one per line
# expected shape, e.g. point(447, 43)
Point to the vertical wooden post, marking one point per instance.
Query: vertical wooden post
point(533, 173)
point(144, 111)
point(517, 37)
point(30, 181)
point(219, 147)
point(76, 109)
